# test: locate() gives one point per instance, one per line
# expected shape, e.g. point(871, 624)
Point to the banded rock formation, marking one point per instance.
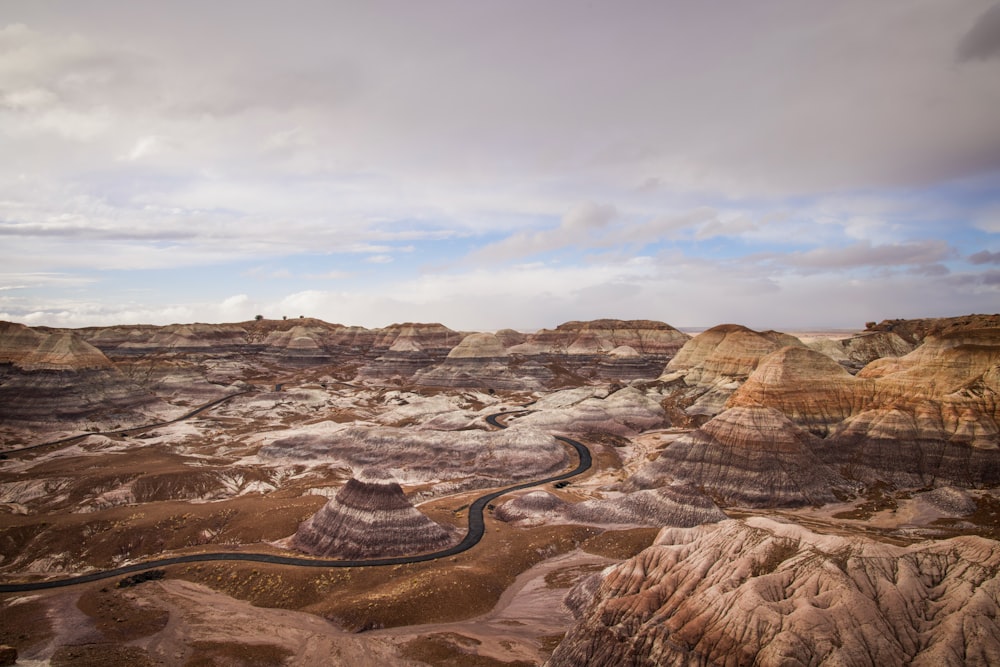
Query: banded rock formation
point(673, 505)
point(929, 417)
point(807, 386)
point(855, 352)
point(713, 364)
point(761, 592)
point(482, 361)
point(56, 379)
point(626, 411)
point(370, 517)
point(479, 458)
point(402, 350)
point(750, 456)
point(573, 353)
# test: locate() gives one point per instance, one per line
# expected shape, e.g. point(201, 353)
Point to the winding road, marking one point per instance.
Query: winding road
point(475, 532)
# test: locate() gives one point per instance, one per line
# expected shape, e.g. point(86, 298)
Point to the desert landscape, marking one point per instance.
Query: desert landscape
point(606, 492)
point(499, 334)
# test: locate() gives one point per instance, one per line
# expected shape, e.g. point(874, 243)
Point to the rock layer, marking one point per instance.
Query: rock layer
point(713, 364)
point(747, 457)
point(674, 505)
point(760, 592)
point(59, 380)
point(370, 517)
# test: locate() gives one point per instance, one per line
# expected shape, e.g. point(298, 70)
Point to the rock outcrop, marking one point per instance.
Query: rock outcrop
point(750, 457)
point(626, 411)
point(916, 330)
point(855, 352)
point(413, 456)
point(370, 517)
point(56, 379)
point(760, 592)
point(807, 386)
point(402, 350)
point(673, 505)
point(713, 364)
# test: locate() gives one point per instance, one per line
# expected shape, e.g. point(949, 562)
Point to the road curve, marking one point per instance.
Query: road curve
point(476, 529)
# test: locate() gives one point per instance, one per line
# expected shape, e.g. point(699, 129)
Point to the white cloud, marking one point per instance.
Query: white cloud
point(129, 145)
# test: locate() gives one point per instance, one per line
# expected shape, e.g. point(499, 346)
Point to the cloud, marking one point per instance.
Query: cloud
point(864, 254)
point(804, 145)
point(982, 41)
point(589, 216)
point(985, 257)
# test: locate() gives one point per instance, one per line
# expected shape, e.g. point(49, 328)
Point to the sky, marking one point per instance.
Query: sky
point(781, 164)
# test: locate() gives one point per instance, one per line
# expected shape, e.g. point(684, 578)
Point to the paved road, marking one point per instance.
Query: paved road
point(477, 527)
point(124, 431)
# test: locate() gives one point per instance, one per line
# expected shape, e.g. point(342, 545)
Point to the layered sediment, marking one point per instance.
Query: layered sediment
point(750, 457)
point(57, 380)
point(713, 364)
point(673, 505)
point(760, 592)
point(370, 517)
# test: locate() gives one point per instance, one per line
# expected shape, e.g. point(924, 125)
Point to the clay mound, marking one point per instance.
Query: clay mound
point(624, 352)
point(727, 351)
point(807, 386)
point(198, 336)
point(370, 517)
point(747, 456)
point(675, 505)
point(478, 346)
point(915, 447)
point(31, 350)
point(857, 351)
point(713, 364)
point(600, 336)
point(65, 352)
point(510, 337)
point(534, 506)
point(17, 341)
point(942, 365)
point(951, 501)
point(759, 592)
point(411, 335)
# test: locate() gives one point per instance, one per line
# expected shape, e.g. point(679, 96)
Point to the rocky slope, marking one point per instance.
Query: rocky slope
point(750, 457)
point(370, 517)
point(573, 353)
point(412, 456)
point(672, 505)
point(57, 380)
point(807, 386)
point(713, 364)
point(760, 592)
point(855, 352)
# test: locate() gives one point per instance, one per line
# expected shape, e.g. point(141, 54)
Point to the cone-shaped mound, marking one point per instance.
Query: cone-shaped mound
point(726, 351)
point(807, 386)
point(370, 518)
point(752, 457)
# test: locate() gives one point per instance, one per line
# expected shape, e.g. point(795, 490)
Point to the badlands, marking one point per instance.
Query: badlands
point(295, 492)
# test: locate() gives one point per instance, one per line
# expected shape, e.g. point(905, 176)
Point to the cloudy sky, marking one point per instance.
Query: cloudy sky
point(518, 164)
